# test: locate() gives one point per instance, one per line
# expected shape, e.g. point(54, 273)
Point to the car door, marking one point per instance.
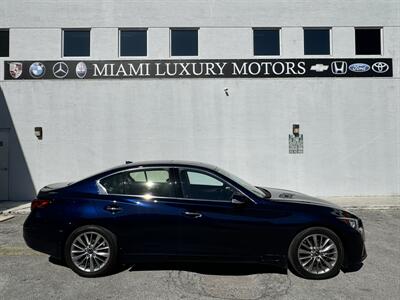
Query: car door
point(214, 226)
point(137, 208)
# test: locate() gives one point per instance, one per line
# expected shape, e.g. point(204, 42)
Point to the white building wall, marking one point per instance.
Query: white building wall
point(350, 125)
point(234, 43)
point(104, 43)
point(158, 43)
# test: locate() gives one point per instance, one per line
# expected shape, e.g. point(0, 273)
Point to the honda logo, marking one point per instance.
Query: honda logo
point(339, 67)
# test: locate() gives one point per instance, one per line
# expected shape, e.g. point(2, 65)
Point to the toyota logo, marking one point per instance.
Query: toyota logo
point(60, 69)
point(380, 67)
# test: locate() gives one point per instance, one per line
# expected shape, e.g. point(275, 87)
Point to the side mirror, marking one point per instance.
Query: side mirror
point(239, 199)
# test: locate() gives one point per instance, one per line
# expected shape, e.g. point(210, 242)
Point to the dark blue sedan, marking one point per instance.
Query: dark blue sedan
point(185, 211)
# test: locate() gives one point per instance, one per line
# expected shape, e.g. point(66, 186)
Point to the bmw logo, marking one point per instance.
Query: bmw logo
point(37, 70)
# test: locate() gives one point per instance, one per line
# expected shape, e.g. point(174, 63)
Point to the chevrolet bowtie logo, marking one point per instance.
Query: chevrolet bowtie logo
point(319, 68)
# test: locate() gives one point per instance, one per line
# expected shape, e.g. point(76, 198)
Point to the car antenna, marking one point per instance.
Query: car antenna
point(127, 162)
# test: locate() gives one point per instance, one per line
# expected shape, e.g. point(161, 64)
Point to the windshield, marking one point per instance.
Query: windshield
point(243, 183)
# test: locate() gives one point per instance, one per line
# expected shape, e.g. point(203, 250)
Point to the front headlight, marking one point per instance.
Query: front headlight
point(361, 230)
point(352, 222)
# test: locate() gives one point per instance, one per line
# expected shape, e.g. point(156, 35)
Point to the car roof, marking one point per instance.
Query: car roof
point(155, 163)
point(178, 163)
point(149, 163)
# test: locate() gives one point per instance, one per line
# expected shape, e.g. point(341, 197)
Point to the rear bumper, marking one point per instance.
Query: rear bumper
point(43, 239)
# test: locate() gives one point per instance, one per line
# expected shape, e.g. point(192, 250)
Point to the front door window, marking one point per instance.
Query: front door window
point(199, 185)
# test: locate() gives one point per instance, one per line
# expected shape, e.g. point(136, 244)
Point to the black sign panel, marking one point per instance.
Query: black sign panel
point(214, 68)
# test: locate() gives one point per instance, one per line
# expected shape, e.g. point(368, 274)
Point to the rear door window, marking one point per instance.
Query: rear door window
point(152, 182)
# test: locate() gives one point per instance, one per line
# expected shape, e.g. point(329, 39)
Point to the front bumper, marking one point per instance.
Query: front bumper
point(355, 251)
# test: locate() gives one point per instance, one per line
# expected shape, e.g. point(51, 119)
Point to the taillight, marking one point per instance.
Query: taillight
point(40, 203)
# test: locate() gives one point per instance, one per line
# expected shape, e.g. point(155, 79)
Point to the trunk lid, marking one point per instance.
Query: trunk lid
point(54, 186)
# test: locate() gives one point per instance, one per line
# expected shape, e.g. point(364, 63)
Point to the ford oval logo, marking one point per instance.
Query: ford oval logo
point(359, 67)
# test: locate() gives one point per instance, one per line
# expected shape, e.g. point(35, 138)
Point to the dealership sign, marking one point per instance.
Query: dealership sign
point(214, 68)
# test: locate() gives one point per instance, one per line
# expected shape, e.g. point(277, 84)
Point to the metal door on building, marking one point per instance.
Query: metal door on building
point(3, 164)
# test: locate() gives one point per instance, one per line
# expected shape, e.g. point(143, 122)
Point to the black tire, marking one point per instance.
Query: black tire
point(111, 241)
point(294, 257)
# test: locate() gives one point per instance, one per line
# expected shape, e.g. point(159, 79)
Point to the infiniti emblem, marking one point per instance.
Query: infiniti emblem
point(380, 67)
point(60, 69)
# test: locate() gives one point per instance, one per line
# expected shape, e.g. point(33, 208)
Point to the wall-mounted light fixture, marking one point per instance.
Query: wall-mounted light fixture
point(39, 132)
point(226, 90)
point(296, 129)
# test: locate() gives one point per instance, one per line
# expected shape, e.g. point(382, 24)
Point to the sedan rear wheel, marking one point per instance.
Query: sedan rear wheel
point(91, 251)
point(316, 253)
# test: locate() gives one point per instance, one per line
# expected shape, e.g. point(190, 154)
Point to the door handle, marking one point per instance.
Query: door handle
point(193, 214)
point(113, 208)
point(3, 169)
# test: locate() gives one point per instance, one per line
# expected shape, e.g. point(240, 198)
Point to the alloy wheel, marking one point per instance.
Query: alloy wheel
point(317, 254)
point(90, 251)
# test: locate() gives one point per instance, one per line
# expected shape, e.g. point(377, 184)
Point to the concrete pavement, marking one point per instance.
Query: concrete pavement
point(14, 207)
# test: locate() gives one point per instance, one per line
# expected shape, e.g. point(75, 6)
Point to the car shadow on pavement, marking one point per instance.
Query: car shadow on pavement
point(60, 262)
point(57, 261)
point(223, 269)
point(226, 269)
point(353, 268)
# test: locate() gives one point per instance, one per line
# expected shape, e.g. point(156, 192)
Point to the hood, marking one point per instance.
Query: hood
point(280, 195)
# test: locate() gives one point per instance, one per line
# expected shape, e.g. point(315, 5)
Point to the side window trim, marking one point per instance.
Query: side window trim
point(175, 172)
point(177, 182)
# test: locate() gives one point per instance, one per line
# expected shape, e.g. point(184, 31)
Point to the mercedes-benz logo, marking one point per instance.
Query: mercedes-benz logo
point(380, 67)
point(60, 69)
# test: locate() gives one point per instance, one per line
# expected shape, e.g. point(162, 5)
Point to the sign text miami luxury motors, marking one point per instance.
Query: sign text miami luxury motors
point(215, 68)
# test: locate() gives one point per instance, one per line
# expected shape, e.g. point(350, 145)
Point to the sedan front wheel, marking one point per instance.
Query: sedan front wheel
point(316, 253)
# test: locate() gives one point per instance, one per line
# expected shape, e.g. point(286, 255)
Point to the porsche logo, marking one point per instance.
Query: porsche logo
point(15, 69)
